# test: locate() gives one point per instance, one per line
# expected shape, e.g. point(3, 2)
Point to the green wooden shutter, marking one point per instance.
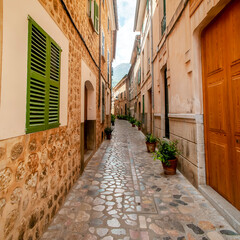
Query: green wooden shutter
point(43, 82)
point(54, 85)
point(37, 75)
point(96, 17)
point(90, 7)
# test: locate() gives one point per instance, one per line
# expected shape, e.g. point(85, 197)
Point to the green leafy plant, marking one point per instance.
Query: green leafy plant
point(113, 118)
point(132, 121)
point(122, 117)
point(129, 117)
point(167, 150)
point(150, 138)
point(138, 123)
point(108, 130)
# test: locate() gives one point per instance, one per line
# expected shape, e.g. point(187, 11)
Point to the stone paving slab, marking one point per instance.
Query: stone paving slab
point(123, 194)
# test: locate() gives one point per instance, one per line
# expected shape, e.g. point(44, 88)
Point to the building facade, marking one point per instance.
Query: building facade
point(135, 80)
point(120, 99)
point(55, 95)
point(143, 25)
point(188, 88)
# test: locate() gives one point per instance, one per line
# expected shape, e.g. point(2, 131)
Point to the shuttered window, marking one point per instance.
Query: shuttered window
point(139, 76)
point(96, 17)
point(43, 83)
point(93, 13)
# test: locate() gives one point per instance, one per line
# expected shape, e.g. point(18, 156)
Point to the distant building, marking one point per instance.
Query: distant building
point(120, 100)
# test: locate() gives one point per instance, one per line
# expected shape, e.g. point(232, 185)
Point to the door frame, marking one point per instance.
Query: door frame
point(199, 22)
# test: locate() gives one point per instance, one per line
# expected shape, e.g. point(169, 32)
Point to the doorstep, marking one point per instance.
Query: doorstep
point(88, 156)
point(227, 210)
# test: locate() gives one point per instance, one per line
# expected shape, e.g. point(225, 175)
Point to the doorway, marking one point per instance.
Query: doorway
point(139, 111)
point(149, 127)
point(167, 131)
point(89, 123)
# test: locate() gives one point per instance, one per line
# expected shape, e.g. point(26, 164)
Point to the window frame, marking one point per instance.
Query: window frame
point(93, 14)
point(49, 82)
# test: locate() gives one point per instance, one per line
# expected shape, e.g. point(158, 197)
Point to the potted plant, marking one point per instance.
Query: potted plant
point(151, 142)
point(132, 121)
point(113, 119)
point(167, 153)
point(108, 132)
point(138, 124)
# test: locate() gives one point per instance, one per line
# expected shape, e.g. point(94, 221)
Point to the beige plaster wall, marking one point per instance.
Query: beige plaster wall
point(171, 7)
point(157, 87)
point(135, 84)
point(88, 75)
point(14, 64)
point(180, 81)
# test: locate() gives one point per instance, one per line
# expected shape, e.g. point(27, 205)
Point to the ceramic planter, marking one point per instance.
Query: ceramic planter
point(113, 123)
point(109, 136)
point(139, 128)
point(151, 147)
point(171, 169)
point(133, 125)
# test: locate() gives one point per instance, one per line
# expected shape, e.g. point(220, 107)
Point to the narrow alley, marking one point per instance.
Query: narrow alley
point(123, 194)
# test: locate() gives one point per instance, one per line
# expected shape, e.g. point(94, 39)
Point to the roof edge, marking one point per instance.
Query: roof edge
point(116, 13)
point(136, 15)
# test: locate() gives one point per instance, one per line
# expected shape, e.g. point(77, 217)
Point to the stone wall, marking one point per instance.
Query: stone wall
point(37, 170)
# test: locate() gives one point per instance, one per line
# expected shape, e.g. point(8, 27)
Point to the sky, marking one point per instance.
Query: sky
point(125, 35)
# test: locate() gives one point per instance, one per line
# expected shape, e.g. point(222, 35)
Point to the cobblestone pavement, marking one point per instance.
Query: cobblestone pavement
point(123, 194)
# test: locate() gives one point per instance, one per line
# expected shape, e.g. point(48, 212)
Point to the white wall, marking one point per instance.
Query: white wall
point(14, 64)
point(87, 75)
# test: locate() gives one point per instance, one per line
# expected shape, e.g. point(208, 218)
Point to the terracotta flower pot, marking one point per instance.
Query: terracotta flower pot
point(171, 169)
point(133, 125)
point(151, 147)
point(109, 136)
point(139, 128)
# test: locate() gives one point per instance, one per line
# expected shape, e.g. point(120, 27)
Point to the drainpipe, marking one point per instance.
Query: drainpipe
point(100, 52)
point(152, 70)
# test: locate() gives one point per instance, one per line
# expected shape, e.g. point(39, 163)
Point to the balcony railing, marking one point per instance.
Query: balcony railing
point(163, 25)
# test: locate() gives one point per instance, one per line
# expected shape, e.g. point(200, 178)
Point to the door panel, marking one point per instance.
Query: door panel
point(221, 85)
point(218, 155)
point(234, 93)
point(236, 101)
point(233, 24)
point(214, 40)
point(216, 110)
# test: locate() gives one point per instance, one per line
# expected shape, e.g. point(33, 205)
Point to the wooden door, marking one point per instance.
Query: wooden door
point(221, 84)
